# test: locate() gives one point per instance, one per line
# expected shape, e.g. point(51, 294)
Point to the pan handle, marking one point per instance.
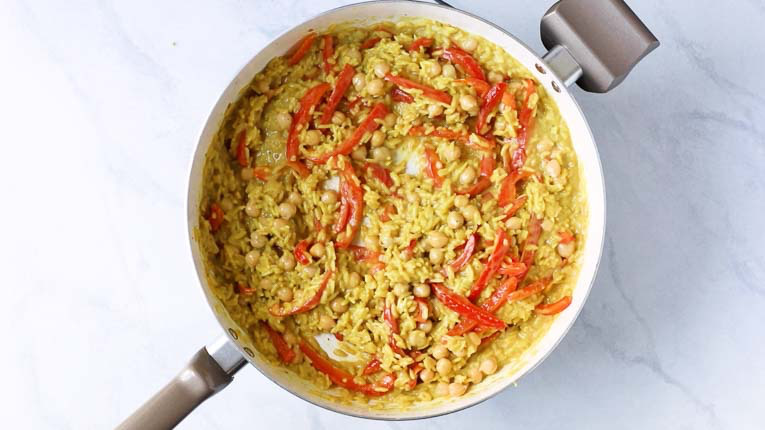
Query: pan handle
point(209, 371)
point(594, 43)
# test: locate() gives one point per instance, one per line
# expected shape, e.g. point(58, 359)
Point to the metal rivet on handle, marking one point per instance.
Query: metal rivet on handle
point(541, 69)
point(233, 333)
point(249, 352)
point(555, 86)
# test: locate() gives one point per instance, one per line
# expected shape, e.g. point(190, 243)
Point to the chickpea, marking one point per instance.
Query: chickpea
point(287, 210)
point(329, 197)
point(468, 102)
point(495, 77)
point(247, 173)
point(354, 56)
point(467, 176)
point(488, 365)
point(435, 110)
point(381, 154)
point(338, 118)
point(252, 209)
point(257, 240)
point(474, 338)
point(310, 271)
point(295, 198)
point(565, 250)
point(312, 137)
point(456, 389)
point(439, 352)
point(436, 256)
point(417, 338)
point(280, 224)
point(436, 239)
point(284, 294)
point(421, 290)
point(360, 153)
point(264, 284)
point(471, 213)
point(444, 366)
point(326, 322)
point(339, 305)
point(442, 389)
point(375, 87)
point(461, 201)
point(449, 71)
point(544, 145)
point(552, 168)
point(425, 326)
point(455, 220)
point(378, 138)
point(390, 120)
point(287, 261)
point(475, 375)
point(381, 69)
point(452, 153)
point(359, 81)
point(469, 44)
point(251, 258)
point(401, 289)
point(427, 375)
point(283, 120)
point(318, 250)
point(354, 279)
point(513, 223)
point(433, 69)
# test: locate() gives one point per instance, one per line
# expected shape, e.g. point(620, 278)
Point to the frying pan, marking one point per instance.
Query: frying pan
point(594, 43)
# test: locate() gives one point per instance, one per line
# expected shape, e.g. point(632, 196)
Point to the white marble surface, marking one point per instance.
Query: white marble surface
point(101, 103)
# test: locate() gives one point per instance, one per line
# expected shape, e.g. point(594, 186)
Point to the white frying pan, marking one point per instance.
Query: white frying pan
point(594, 43)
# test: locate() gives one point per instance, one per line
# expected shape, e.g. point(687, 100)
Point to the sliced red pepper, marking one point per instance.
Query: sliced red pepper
point(241, 149)
point(372, 367)
point(492, 265)
point(339, 336)
point(517, 204)
point(401, 96)
point(512, 268)
point(308, 102)
point(380, 172)
point(397, 349)
point(342, 378)
point(507, 191)
point(372, 41)
point(244, 290)
point(553, 308)
point(301, 252)
point(484, 179)
point(416, 368)
point(460, 262)
point(423, 309)
point(341, 86)
point(429, 92)
point(529, 290)
point(388, 210)
point(368, 125)
point(419, 43)
point(462, 306)
point(490, 102)
point(277, 311)
point(304, 45)
point(390, 319)
point(327, 53)
point(409, 251)
point(526, 121)
point(286, 353)
point(488, 339)
point(444, 133)
point(466, 61)
point(497, 299)
point(353, 195)
point(262, 173)
point(534, 232)
point(343, 215)
point(215, 217)
point(431, 166)
point(480, 86)
point(566, 237)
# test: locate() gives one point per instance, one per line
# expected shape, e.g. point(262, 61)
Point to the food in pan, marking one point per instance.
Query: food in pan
point(408, 188)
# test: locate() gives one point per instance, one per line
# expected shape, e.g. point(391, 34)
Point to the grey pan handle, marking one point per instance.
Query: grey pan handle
point(594, 43)
point(209, 371)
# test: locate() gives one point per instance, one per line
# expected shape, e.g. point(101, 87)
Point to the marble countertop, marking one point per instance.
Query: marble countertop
point(101, 104)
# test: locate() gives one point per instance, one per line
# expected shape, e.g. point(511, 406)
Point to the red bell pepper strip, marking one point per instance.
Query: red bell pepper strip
point(343, 215)
point(566, 237)
point(429, 92)
point(338, 336)
point(462, 306)
point(380, 172)
point(484, 179)
point(507, 191)
point(342, 378)
point(466, 61)
point(397, 349)
point(390, 319)
point(492, 265)
point(388, 210)
point(353, 195)
point(341, 86)
point(372, 367)
point(262, 173)
point(372, 41)
point(215, 217)
point(303, 46)
point(327, 53)
point(444, 133)
point(488, 339)
point(517, 204)
point(241, 149)
point(286, 353)
point(244, 290)
point(432, 163)
point(423, 309)
point(497, 299)
point(368, 125)
point(553, 308)
point(401, 96)
point(512, 268)
point(409, 251)
point(534, 231)
point(308, 102)
point(277, 311)
point(419, 43)
point(363, 254)
point(490, 102)
point(480, 86)
point(460, 262)
point(529, 290)
point(301, 252)
point(526, 121)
